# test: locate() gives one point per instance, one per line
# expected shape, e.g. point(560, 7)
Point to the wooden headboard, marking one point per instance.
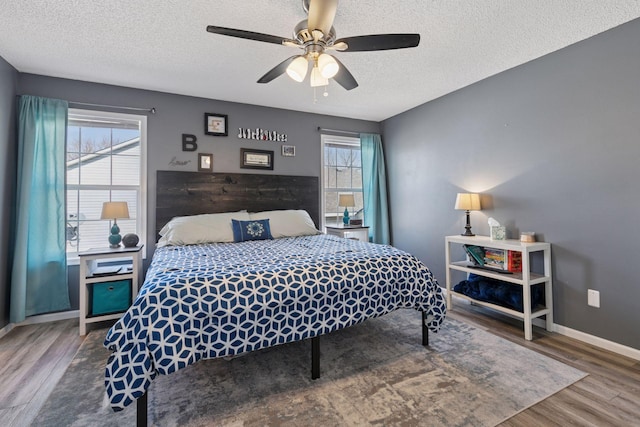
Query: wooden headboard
point(193, 193)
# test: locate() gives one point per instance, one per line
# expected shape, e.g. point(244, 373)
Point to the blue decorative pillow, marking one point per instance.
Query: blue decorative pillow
point(251, 230)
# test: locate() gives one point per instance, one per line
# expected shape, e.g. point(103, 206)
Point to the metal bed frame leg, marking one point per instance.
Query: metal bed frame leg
point(425, 330)
point(315, 358)
point(141, 411)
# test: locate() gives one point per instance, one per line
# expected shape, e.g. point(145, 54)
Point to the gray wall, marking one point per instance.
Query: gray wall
point(8, 87)
point(553, 146)
point(182, 114)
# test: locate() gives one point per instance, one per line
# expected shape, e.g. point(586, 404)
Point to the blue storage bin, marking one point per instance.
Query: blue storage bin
point(109, 297)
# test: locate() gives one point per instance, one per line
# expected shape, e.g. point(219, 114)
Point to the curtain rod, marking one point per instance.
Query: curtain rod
point(151, 110)
point(345, 132)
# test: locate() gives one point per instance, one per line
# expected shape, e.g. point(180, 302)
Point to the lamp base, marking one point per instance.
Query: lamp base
point(467, 228)
point(115, 238)
point(345, 217)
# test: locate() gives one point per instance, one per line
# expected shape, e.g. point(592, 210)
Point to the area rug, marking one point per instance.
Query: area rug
point(374, 373)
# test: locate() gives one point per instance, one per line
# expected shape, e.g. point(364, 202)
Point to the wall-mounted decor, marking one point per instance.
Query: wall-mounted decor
point(256, 159)
point(261, 135)
point(205, 162)
point(289, 150)
point(189, 142)
point(215, 124)
point(175, 162)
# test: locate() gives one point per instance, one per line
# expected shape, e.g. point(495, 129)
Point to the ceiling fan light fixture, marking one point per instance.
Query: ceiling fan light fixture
point(297, 70)
point(328, 66)
point(314, 36)
point(317, 79)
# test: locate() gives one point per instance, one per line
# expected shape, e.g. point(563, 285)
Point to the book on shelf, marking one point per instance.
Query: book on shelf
point(514, 261)
point(475, 254)
point(106, 270)
point(491, 258)
point(495, 258)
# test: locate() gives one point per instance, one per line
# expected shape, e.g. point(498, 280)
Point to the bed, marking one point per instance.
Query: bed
point(208, 295)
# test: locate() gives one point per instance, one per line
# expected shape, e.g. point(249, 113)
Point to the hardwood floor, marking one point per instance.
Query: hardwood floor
point(607, 397)
point(33, 358)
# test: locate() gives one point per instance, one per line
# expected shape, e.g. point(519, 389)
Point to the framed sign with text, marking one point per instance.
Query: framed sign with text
point(256, 159)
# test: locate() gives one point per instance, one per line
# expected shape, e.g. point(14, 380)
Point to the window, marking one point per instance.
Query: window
point(106, 157)
point(341, 173)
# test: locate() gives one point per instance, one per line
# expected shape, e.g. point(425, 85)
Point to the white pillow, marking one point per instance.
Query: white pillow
point(288, 223)
point(207, 228)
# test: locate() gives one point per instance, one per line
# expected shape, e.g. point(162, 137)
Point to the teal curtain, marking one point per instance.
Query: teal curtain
point(39, 273)
point(374, 187)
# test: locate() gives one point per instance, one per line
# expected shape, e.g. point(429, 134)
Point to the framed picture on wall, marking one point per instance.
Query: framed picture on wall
point(215, 124)
point(205, 162)
point(289, 150)
point(256, 159)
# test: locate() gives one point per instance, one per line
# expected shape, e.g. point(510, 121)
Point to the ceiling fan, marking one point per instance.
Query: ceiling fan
point(316, 35)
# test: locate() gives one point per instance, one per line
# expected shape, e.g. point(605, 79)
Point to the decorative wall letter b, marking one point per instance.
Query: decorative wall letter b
point(189, 142)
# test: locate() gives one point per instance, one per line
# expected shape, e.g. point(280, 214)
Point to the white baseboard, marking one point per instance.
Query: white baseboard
point(580, 336)
point(4, 331)
point(52, 317)
point(598, 342)
point(41, 318)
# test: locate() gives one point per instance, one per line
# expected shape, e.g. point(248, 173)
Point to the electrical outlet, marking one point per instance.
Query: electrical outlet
point(593, 298)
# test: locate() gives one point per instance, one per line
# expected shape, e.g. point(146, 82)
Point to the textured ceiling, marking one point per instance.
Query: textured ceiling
point(163, 45)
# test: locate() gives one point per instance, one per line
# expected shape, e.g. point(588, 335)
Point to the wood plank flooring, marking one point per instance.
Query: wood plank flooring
point(607, 397)
point(33, 358)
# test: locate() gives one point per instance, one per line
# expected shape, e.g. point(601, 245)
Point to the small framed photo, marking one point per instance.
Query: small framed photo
point(205, 162)
point(256, 159)
point(215, 124)
point(288, 150)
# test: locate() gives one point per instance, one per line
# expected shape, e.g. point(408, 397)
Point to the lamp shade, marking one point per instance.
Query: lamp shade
point(297, 70)
point(346, 200)
point(114, 210)
point(328, 66)
point(468, 202)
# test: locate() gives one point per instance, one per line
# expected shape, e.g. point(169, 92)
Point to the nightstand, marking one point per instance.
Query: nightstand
point(106, 292)
point(356, 232)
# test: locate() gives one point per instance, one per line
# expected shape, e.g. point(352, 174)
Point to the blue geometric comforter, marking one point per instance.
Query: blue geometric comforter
point(215, 300)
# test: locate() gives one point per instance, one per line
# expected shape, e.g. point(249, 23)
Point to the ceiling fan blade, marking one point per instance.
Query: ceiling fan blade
point(321, 15)
point(344, 77)
point(380, 42)
point(249, 35)
point(278, 70)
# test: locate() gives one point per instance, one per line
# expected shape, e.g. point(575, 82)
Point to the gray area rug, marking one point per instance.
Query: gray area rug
point(375, 373)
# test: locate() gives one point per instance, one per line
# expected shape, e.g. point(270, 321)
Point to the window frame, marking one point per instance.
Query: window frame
point(333, 139)
point(141, 214)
